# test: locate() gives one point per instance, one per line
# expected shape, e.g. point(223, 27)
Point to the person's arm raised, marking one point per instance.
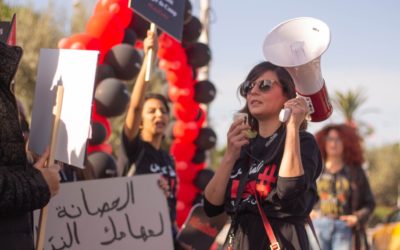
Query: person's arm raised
point(133, 117)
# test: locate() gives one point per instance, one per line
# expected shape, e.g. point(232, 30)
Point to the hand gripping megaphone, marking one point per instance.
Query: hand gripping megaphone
point(297, 45)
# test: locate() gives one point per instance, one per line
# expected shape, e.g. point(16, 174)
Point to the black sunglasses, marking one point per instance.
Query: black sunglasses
point(263, 86)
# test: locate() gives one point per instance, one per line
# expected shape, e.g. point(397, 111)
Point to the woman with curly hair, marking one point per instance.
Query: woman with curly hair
point(346, 200)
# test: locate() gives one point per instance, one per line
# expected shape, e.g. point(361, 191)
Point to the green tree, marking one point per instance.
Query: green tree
point(80, 17)
point(384, 173)
point(348, 104)
point(35, 30)
point(5, 11)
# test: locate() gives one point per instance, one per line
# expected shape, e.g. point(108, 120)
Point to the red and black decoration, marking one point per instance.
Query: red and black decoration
point(108, 31)
point(117, 33)
point(191, 139)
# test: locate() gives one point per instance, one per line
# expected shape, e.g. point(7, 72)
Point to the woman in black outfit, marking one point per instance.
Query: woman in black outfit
point(24, 187)
point(145, 123)
point(274, 173)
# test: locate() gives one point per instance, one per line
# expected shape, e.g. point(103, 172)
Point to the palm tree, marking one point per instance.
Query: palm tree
point(348, 103)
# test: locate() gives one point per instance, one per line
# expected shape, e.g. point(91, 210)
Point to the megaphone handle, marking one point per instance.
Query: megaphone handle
point(284, 114)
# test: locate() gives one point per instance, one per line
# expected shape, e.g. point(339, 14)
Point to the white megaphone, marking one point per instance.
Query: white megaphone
point(297, 45)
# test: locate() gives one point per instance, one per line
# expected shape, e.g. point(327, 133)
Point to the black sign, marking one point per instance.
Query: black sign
point(166, 14)
point(4, 31)
point(199, 231)
point(8, 31)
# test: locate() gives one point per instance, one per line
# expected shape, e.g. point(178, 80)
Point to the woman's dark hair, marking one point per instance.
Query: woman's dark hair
point(285, 81)
point(159, 97)
point(352, 149)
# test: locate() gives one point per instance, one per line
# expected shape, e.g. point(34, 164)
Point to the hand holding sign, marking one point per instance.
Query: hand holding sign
point(149, 47)
point(50, 173)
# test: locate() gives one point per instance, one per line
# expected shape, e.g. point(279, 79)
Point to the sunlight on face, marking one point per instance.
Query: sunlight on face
point(266, 103)
point(155, 117)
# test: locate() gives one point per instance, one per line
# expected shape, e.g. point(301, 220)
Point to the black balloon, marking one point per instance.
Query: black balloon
point(198, 54)
point(206, 139)
point(111, 97)
point(125, 60)
point(199, 156)
point(99, 133)
point(187, 14)
point(202, 178)
point(192, 30)
point(204, 92)
point(130, 37)
point(104, 71)
point(103, 164)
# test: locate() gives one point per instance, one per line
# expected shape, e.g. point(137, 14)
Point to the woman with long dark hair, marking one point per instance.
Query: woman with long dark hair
point(268, 183)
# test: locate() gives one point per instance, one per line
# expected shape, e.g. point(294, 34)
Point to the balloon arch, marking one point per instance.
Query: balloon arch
point(116, 32)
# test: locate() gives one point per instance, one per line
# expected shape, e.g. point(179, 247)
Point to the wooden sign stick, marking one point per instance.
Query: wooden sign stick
point(41, 233)
point(150, 57)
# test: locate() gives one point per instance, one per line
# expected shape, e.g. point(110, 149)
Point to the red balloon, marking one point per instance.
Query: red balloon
point(182, 210)
point(169, 65)
point(84, 41)
point(182, 151)
point(181, 165)
point(187, 111)
point(64, 43)
point(101, 147)
point(106, 26)
point(179, 78)
point(187, 192)
point(118, 7)
point(180, 94)
point(188, 175)
point(171, 50)
point(185, 131)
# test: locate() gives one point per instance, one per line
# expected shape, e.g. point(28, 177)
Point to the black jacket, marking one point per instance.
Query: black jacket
point(22, 187)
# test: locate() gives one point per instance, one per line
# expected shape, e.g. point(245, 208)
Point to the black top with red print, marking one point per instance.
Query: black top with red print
point(149, 160)
point(286, 202)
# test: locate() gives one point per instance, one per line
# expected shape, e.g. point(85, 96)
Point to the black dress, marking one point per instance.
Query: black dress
point(149, 160)
point(286, 202)
point(22, 187)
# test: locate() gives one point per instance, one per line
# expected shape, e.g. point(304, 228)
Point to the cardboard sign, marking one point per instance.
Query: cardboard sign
point(75, 70)
point(199, 231)
point(115, 213)
point(166, 14)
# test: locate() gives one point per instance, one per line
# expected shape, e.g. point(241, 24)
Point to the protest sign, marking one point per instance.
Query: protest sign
point(115, 213)
point(166, 14)
point(75, 70)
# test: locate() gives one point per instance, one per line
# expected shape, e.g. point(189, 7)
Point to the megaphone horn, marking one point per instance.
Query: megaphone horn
point(297, 45)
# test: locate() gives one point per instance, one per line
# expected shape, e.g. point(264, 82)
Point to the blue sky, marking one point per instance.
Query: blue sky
point(364, 53)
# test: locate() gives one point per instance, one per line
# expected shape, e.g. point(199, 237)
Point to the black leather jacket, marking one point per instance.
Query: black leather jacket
point(22, 187)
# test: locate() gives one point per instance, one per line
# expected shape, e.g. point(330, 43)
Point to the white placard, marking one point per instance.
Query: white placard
point(115, 213)
point(76, 71)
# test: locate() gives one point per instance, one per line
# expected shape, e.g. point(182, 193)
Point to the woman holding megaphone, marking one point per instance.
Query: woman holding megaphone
point(267, 184)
